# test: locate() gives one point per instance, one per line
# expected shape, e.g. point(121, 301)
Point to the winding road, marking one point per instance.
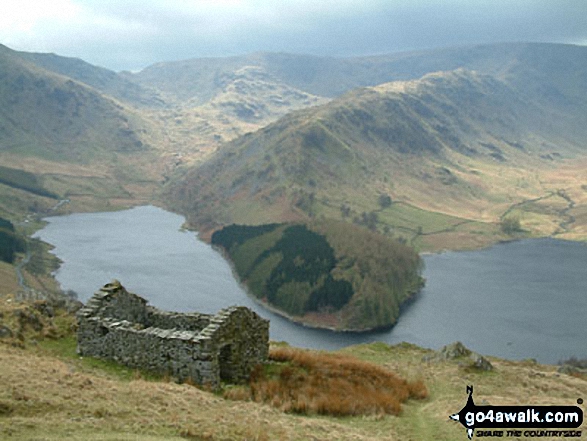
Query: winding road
point(26, 292)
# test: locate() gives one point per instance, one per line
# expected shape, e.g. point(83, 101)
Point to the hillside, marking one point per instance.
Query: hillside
point(213, 100)
point(62, 138)
point(245, 100)
point(456, 151)
point(324, 274)
point(103, 80)
point(188, 109)
point(201, 79)
point(52, 116)
point(51, 393)
point(10, 244)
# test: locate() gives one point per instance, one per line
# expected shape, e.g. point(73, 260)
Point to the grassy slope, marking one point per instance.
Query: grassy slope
point(66, 132)
point(49, 115)
point(106, 81)
point(77, 141)
point(48, 392)
point(213, 100)
point(457, 150)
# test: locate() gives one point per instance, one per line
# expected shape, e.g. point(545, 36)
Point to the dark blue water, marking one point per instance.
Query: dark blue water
point(525, 299)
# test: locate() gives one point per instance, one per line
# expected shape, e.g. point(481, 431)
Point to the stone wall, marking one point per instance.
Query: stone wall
point(204, 348)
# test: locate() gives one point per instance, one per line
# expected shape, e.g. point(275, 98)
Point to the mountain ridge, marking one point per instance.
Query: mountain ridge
point(421, 141)
point(101, 79)
point(310, 73)
point(538, 124)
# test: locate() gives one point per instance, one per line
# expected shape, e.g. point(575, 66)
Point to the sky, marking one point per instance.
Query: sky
point(133, 34)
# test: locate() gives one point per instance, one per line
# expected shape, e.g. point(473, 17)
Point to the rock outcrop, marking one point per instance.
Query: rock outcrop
point(466, 357)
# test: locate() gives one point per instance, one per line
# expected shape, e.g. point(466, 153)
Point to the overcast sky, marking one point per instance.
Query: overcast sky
point(132, 34)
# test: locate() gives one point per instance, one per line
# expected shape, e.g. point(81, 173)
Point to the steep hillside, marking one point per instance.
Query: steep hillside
point(218, 99)
point(461, 144)
point(103, 80)
point(61, 138)
point(52, 116)
point(248, 98)
point(324, 274)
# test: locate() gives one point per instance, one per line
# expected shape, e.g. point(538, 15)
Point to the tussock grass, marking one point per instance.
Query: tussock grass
point(51, 394)
point(328, 384)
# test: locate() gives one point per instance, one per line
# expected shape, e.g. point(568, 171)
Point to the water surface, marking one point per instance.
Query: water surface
point(518, 300)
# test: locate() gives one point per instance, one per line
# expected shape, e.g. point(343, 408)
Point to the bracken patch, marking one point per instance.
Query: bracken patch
point(329, 384)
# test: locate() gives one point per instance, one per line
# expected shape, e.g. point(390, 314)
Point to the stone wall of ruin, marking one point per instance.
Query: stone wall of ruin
point(204, 348)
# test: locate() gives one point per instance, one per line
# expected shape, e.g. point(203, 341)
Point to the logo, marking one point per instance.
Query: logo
point(518, 420)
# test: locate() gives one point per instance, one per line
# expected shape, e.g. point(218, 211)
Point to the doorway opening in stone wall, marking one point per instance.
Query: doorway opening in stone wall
point(225, 361)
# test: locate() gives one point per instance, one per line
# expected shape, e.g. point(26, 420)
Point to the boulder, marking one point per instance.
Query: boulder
point(454, 350)
point(466, 357)
point(5, 332)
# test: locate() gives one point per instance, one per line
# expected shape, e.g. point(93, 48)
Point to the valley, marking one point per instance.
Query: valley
point(495, 135)
point(437, 149)
point(376, 163)
point(177, 114)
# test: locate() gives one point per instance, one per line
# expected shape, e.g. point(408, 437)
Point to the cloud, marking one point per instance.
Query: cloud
point(21, 20)
point(132, 34)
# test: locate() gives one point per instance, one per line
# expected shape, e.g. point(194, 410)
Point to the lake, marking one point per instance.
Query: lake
point(524, 299)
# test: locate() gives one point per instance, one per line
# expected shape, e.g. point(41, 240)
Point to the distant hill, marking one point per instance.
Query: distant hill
point(434, 143)
point(202, 79)
point(195, 87)
point(247, 99)
point(103, 80)
point(50, 115)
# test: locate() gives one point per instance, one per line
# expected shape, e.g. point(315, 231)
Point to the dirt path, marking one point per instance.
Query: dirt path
point(20, 276)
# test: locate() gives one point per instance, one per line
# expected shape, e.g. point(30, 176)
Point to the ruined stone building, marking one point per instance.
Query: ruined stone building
point(120, 326)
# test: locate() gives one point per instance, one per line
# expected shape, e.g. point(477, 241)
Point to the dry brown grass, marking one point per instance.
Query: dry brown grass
point(53, 397)
point(328, 384)
point(42, 397)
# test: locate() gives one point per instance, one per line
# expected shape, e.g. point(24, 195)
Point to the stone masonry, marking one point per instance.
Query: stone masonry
point(203, 348)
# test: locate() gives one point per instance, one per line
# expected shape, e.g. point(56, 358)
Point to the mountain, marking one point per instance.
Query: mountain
point(455, 151)
point(62, 138)
point(202, 79)
point(58, 118)
point(436, 145)
point(106, 81)
point(248, 98)
point(194, 85)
